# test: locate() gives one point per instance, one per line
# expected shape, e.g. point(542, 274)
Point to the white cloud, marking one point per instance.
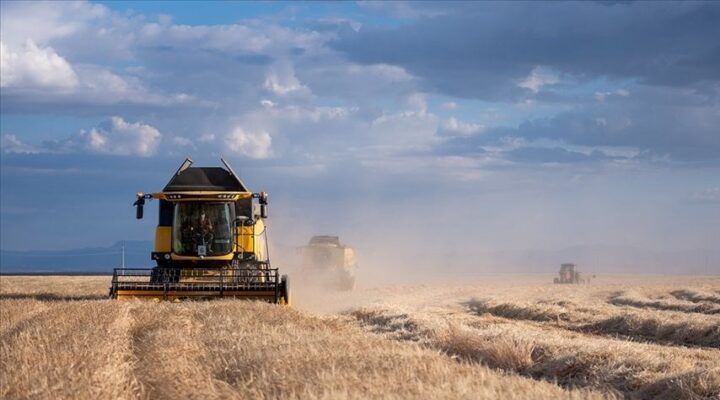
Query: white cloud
point(252, 37)
point(281, 81)
point(403, 131)
point(115, 136)
point(257, 144)
point(45, 21)
point(600, 96)
point(11, 144)
point(453, 127)
point(34, 67)
point(417, 102)
point(183, 141)
point(207, 138)
point(385, 72)
point(120, 137)
point(294, 113)
point(450, 105)
point(40, 75)
point(539, 77)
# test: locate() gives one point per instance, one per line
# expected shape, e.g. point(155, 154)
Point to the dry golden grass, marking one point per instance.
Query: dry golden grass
point(697, 296)
point(574, 336)
point(60, 338)
point(92, 349)
point(636, 300)
point(642, 325)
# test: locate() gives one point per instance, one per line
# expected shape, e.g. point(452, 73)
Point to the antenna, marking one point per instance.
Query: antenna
point(123, 254)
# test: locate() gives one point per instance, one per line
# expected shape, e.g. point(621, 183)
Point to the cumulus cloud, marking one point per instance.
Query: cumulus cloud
point(453, 127)
point(600, 96)
point(183, 141)
point(458, 53)
point(11, 144)
point(35, 67)
point(115, 136)
point(539, 77)
point(120, 137)
point(386, 72)
point(411, 129)
point(281, 81)
point(318, 92)
point(47, 21)
point(684, 133)
point(253, 144)
point(46, 60)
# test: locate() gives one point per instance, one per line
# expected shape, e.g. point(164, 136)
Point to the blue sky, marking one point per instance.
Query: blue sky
point(465, 126)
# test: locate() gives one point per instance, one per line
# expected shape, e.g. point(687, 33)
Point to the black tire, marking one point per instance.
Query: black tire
point(346, 282)
point(285, 294)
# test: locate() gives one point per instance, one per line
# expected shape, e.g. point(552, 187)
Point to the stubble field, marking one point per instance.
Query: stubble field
point(510, 337)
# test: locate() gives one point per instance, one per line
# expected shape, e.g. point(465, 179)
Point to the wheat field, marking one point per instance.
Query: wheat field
point(508, 337)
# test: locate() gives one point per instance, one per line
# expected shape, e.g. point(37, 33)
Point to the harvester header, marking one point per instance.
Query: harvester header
point(210, 241)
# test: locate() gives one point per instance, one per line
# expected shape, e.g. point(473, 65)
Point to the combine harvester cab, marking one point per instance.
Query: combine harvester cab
point(210, 242)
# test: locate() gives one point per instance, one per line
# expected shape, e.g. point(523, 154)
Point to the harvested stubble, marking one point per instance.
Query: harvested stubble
point(571, 359)
point(225, 349)
point(636, 300)
point(229, 349)
point(697, 296)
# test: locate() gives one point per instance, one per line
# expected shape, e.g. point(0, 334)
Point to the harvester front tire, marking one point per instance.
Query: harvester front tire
point(346, 282)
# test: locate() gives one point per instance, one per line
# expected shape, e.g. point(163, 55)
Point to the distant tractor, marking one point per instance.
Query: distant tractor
point(569, 274)
point(330, 263)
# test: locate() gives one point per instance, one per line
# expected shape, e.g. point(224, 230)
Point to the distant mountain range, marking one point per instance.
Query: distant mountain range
point(82, 261)
point(591, 259)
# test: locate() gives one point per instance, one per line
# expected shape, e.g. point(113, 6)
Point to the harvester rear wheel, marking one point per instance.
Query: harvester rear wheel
point(285, 295)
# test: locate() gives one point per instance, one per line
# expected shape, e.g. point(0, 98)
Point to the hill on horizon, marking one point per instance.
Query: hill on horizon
point(591, 259)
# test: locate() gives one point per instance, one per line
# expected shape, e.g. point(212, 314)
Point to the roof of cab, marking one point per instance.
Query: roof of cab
point(205, 179)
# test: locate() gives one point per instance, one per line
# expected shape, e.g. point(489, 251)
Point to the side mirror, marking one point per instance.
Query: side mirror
point(263, 197)
point(139, 203)
point(263, 210)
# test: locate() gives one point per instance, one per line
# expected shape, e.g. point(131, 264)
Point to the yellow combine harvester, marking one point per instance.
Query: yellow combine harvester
point(329, 262)
point(210, 242)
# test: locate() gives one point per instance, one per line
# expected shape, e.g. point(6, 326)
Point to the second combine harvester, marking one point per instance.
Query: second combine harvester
point(210, 242)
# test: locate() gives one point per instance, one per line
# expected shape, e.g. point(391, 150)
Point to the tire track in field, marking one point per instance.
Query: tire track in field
point(697, 296)
point(700, 331)
point(10, 310)
point(699, 308)
point(166, 344)
point(121, 368)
